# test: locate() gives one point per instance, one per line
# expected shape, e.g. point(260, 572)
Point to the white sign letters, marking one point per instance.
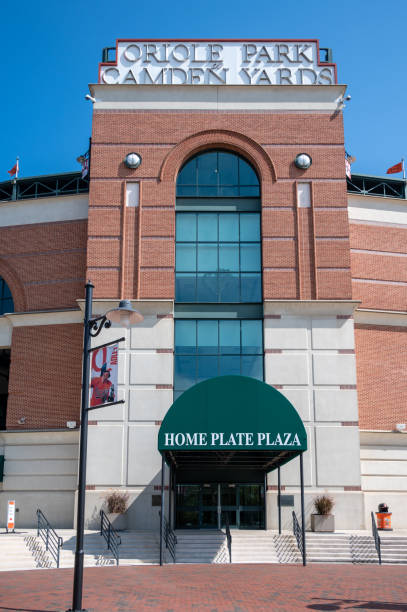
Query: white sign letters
point(222, 439)
point(217, 63)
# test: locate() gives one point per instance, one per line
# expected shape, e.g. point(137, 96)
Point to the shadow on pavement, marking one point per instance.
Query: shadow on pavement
point(355, 604)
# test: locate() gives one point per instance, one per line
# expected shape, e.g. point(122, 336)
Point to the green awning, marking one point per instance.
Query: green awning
point(233, 420)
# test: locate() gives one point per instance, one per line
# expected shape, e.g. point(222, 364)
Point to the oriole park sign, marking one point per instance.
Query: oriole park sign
point(217, 62)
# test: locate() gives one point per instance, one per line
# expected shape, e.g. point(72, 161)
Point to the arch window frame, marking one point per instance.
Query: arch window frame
point(197, 180)
point(6, 298)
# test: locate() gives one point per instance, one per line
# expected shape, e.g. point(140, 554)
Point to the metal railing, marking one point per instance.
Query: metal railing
point(377, 186)
point(376, 537)
point(53, 542)
point(298, 533)
point(170, 539)
point(228, 536)
point(67, 183)
point(111, 536)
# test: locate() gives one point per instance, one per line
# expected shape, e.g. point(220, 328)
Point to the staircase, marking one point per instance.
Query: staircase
point(25, 551)
point(394, 549)
point(201, 546)
point(15, 554)
point(340, 548)
point(137, 548)
point(263, 547)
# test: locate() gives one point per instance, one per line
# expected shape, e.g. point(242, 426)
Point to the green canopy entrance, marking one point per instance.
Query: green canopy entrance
point(230, 429)
point(231, 421)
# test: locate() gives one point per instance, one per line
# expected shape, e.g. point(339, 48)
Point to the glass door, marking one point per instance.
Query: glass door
point(204, 506)
point(197, 506)
point(244, 504)
point(251, 506)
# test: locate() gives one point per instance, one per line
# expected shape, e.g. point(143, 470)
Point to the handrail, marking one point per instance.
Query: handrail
point(228, 535)
point(297, 532)
point(53, 542)
point(376, 537)
point(170, 538)
point(300, 537)
point(111, 536)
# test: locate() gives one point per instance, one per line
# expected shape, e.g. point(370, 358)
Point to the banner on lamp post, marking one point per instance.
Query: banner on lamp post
point(104, 375)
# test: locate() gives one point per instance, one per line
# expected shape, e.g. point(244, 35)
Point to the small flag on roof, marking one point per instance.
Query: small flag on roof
point(84, 161)
point(349, 159)
point(396, 168)
point(14, 170)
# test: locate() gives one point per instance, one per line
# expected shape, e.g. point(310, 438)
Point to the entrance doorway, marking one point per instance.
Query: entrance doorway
point(204, 506)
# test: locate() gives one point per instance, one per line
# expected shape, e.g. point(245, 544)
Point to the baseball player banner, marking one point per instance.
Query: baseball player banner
point(104, 372)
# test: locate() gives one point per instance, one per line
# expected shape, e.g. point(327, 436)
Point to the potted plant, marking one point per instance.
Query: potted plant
point(116, 502)
point(323, 520)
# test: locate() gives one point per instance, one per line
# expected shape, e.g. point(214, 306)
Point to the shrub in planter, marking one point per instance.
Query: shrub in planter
point(323, 520)
point(116, 502)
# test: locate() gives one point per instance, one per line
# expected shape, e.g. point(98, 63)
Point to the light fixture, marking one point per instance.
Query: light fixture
point(125, 314)
point(132, 160)
point(303, 161)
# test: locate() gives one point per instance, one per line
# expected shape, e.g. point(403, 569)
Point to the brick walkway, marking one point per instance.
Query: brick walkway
point(211, 588)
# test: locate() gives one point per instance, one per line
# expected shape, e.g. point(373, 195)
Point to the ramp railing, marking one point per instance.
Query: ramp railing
point(53, 542)
point(111, 536)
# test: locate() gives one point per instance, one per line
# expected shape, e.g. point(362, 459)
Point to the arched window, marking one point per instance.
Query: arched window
point(6, 299)
point(218, 239)
point(217, 174)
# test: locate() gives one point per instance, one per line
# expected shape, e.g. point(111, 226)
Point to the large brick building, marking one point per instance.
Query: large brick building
point(241, 262)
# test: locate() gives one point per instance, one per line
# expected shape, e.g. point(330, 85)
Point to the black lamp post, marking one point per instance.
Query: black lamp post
point(126, 316)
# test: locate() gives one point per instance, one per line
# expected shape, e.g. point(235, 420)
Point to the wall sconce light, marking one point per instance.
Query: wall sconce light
point(132, 160)
point(303, 161)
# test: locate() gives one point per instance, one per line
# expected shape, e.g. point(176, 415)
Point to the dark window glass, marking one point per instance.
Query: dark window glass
point(6, 300)
point(186, 227)
point(185, 257)
point(250, 287)
point(205, 348)
point(207, 367)
point(206, 288)
point(207, 338)
point(252, 366)
point(185, 287)
point(217, 174)
point(184, 372)
point(223, 250)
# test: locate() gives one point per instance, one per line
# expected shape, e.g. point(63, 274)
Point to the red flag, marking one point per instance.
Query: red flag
point(394, 169)
point(14, 170)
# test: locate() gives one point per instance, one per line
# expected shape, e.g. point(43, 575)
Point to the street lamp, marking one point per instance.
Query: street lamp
point(126, 316)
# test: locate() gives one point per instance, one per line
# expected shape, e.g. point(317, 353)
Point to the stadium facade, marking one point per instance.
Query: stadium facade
point(250, 254)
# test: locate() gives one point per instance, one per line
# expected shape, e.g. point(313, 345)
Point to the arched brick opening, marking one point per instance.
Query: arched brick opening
point(219, 139)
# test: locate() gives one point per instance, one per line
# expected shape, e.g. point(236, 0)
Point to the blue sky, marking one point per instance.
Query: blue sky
point(51, 51)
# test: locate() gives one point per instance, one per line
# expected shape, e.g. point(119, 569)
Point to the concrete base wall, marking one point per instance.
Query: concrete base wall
point(40, 471)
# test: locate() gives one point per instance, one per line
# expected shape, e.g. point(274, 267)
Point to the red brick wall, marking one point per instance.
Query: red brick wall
point(300, 267)
point(45, 376)
point(44, 264)
point(379, 273)
point(381, 361)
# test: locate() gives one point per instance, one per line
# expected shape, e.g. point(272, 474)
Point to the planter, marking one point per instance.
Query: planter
point(323, 522)
point(118, 521)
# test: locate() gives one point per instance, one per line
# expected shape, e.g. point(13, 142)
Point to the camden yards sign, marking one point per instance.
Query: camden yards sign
point(201, 62)
point(238, 440)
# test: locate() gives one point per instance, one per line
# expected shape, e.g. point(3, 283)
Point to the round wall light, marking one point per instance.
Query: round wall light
point(132, 160)
point(303, 161)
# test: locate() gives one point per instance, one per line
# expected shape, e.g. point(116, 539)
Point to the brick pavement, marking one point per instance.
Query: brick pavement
point(211, 588)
